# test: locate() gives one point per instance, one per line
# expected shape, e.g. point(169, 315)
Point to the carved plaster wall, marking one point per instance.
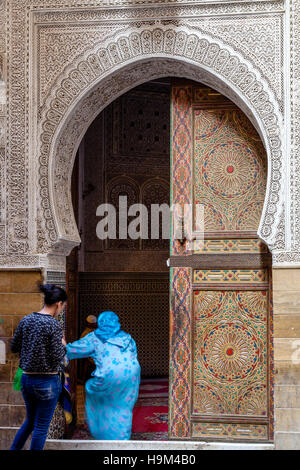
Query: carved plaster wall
point(157, 51)
point(67, 60)
point(2, 129)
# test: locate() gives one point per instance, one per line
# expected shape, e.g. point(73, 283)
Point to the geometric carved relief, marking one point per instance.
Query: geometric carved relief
point(2, 185)
point(245, 27)
point(3, 162)
point(59, 46)
point(137, 133)
point(257, 37)
point(143, 124)
point(128, 144)
point(118, 187)
point(295, 133)
point(155, 191)
point(2, 239)
point(183, 43)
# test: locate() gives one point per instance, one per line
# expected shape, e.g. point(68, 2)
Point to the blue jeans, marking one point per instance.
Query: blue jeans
point(40, 393)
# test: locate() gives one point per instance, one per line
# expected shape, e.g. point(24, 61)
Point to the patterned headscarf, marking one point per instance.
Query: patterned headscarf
point(108, 325)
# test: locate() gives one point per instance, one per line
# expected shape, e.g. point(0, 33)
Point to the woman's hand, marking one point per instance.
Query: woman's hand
point(64, 341)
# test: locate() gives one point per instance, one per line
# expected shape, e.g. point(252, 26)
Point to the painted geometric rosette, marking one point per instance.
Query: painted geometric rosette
point(253, 401)
point(205, 126)
point(244, 126)
point(207, 304)
point(213, 218)
point(206, 400)
point(230, 169)
point(254, 304)
point(230, 352)
point(249, 217)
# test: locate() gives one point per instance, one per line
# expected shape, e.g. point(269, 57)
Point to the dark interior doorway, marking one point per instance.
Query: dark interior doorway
point(126, 151)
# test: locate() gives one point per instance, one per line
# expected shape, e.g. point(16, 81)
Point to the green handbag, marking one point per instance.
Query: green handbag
point(17, 379)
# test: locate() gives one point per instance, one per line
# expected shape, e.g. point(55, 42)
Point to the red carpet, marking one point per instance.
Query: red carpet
point(150, 414)
point(154, 388)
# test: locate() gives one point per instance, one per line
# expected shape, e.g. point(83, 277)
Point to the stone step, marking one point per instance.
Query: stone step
point(63, 444)
point(7, 434)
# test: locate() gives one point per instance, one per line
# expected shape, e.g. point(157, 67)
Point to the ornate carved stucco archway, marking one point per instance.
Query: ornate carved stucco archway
point(128, 59)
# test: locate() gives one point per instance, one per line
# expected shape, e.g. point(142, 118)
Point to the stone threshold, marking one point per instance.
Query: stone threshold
point(63, 444)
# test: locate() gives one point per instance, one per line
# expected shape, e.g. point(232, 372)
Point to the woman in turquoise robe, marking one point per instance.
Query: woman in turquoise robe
point(112, 391)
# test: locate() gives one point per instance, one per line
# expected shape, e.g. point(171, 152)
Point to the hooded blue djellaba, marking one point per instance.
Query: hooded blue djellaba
point(112, 391)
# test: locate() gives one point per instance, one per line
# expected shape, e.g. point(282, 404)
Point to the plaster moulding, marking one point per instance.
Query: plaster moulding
point(131, 57)
point(124, 61)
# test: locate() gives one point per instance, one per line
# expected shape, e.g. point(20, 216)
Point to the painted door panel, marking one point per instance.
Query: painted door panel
point(220, 322)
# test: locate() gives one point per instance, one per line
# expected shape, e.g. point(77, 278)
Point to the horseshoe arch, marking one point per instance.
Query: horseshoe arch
point(125, 61)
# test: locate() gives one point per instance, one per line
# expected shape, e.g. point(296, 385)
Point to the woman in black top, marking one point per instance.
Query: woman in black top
point(40, 342)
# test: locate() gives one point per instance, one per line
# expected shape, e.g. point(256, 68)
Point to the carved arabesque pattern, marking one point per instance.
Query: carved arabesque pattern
point(148, 42)
point(60, 46)
point(255, 37)
point(64, 12)
point(164, 7)
point(290, 222)
point(295, 131)
point(2, 130)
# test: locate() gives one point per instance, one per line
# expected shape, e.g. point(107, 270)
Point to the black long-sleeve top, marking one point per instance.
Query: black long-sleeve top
point(38, 340)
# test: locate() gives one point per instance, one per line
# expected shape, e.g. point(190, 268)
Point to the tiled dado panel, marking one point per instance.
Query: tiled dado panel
point(286, 300)
point(19, 295)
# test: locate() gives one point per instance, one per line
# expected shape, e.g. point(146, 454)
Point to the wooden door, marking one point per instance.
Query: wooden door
point(220, 322)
